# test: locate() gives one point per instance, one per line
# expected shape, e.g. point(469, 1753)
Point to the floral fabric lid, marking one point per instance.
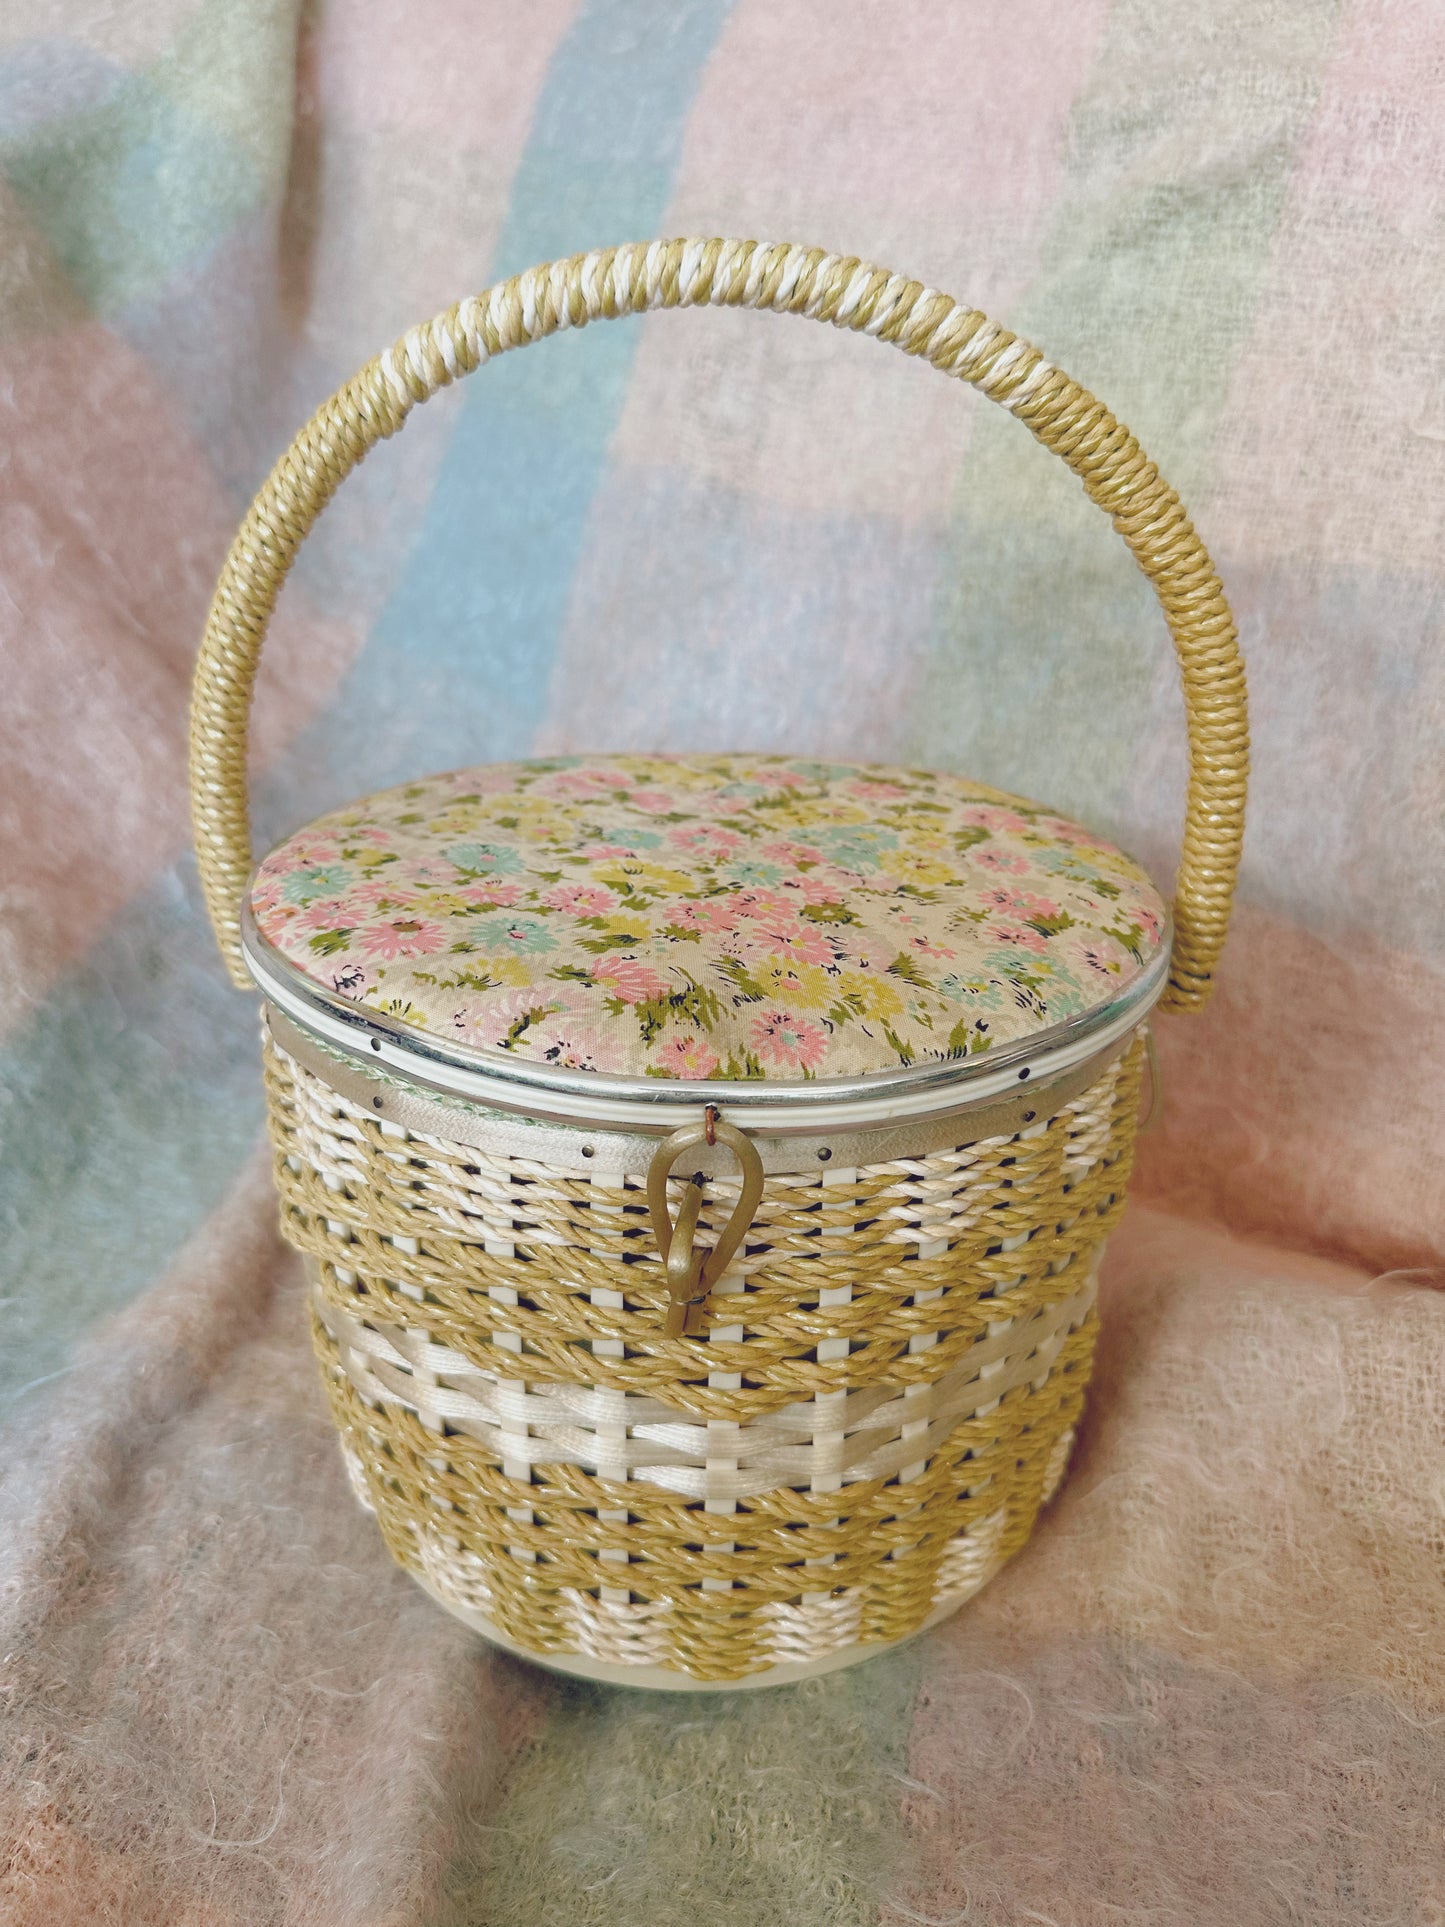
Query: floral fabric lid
point(710, 917)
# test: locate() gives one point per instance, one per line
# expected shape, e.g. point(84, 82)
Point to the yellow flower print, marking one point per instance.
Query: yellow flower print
point(799, 986)
point(623, 873)
point(802, 813)
point(926, 872)
point(630, 924)
point(872, 994)
point(511, 968)
point(446, 903)
point(400, 1009)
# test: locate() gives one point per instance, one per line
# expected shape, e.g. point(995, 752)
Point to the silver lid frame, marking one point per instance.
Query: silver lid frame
point(497, 1081)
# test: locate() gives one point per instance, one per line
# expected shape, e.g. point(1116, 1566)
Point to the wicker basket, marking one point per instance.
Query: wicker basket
point(702, 1201)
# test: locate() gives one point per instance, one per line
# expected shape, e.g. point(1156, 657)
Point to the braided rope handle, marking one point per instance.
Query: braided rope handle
point(1114, 470)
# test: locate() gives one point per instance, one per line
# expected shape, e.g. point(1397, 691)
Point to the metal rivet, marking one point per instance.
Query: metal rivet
point(589, 1150)
point(376, 1043)
point(1029, 1116)
point(824, 1155)
point(376, 1102)
point(1024, 1072)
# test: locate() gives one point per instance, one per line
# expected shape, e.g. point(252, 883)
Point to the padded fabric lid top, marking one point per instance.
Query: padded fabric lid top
point(710, 916)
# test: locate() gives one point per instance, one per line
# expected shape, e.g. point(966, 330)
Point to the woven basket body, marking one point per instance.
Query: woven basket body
point(701, 1201)
point(886, 1395)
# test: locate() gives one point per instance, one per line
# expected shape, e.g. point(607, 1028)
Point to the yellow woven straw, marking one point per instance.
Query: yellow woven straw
point(866, 1444)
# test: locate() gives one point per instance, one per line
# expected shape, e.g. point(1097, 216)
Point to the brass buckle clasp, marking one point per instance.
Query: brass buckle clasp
point(691, 1274)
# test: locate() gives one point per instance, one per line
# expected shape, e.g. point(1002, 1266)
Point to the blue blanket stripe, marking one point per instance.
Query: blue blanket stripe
point(132, 1097)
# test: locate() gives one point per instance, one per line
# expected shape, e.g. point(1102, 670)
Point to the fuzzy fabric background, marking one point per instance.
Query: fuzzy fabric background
point(1213, 1689)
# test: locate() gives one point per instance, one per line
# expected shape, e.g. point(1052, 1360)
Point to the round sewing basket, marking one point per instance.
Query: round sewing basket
point(702, 1163)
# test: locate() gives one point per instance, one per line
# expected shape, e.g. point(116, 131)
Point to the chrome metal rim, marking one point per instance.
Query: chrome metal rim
point(500, 1082)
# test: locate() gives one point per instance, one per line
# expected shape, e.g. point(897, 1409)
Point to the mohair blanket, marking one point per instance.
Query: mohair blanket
point(1212, 1690)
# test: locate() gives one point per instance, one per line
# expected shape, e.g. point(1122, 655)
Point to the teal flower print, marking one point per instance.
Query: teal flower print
point(978, 993)
point(627, 837)
point(321, 880)
point(527, 936)
point(1065, 863)
point(856, 846)
point(749, 874)
point(486, 859)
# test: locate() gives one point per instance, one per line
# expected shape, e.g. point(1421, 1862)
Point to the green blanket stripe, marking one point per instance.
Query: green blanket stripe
point(127, 1106)
point(750, 1809)
point(132, 1096)
point(156, 173)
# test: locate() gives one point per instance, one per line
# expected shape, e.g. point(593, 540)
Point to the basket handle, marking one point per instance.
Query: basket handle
point(1114, 470)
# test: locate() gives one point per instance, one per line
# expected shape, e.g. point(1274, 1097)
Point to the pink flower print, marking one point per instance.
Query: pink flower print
point(864, 951)
point(566, 1039)
point(481, 782)
point(799, 943)
point(332, 915)
point(554, 1031)
point(629, 979)
point(1032, 907)
point(878, 792)
point(301, 854)
point(836, 883)
point(403, 937)
point(1102, 957)
point(792, 1042)
point(487, 1025)
point(491, 896)
point(685, 1057)
point(748, 943)
point(652, 802)
point(1149, 921)
point(378, 892)
point(999, 896)
point(780, 851)
point(778, 936)
point(569, 782)
point(1066, 832)
point(715, 913)
point(994, 858)
point(812, 889)
point(1018, 936)
point(580, 900)
point(922, 947)
point(762, 903)
point(583, 783)
point(990, 816)
point(568, 1033)
point(705, 839)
